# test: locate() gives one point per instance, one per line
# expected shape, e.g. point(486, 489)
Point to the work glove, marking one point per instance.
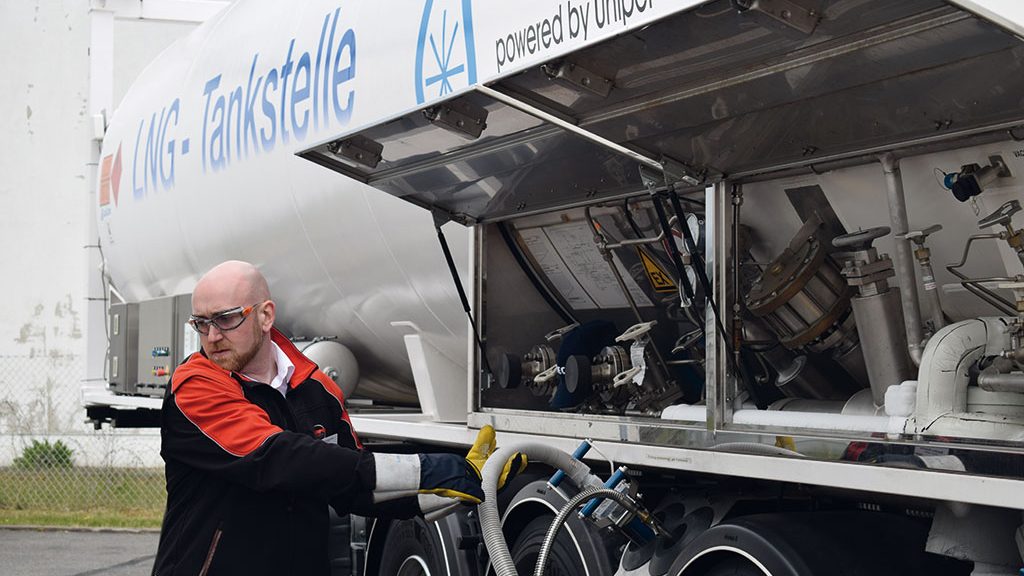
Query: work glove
point(434, 507)
point(482, 449)
point(443, 475)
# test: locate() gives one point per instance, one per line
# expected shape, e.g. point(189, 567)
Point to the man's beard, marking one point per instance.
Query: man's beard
point(236, 360)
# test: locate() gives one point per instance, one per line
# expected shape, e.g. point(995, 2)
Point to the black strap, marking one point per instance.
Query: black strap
point(673, 251)
point(738, 368)
point(462, 293)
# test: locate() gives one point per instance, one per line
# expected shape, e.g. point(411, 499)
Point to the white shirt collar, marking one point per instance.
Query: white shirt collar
point(285, 369)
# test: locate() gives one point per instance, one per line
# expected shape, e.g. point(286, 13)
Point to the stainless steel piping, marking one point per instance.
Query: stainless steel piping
point(902, 256)
point(932, 292)
point(639, 241)
point(996, 382)
point(974, 286)
point(659, 372)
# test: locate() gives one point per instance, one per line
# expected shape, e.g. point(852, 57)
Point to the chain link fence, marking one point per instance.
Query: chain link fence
point(55, 465)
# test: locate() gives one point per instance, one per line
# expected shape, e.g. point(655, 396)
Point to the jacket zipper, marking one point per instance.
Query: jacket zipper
point(211, 552)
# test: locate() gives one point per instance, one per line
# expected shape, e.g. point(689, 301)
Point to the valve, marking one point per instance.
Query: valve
point(687, 341)
point(1015, 329)
point(876, 308)
point(560, 333)
point(972, 179)
point(606, 512)
point(640, 335)
point(920, 236)
point(636, 331)
point(513, 370)
point(860, 240)
point(1003, 216)
point(586, 374)
point(923, 255)
point(639, 527)
point(863, 267)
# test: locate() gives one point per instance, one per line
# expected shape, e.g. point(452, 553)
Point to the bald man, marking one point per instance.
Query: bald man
point(257, 442)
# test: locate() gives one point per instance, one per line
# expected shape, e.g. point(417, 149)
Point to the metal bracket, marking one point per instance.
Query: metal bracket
point(579, 77)
point(674, 171)
point(460, 116)
point(357, 149)
point(802, 15)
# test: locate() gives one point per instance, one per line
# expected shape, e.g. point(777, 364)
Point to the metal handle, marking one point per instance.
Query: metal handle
point(636, 330)
point(861, 238)
point(623, 378)
point(1001, 216)
point(546, 376)
point(919, 236)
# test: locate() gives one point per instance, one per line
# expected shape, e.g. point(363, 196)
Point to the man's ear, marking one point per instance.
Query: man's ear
point(267, 315)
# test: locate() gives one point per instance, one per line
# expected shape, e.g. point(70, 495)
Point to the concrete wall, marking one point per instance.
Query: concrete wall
point(45, 189)
point(44, 124)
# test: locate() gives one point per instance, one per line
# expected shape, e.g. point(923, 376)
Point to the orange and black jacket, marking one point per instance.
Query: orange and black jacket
point(249, 476)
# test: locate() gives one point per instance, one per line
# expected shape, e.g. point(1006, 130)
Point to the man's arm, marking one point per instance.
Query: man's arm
point(211, 427)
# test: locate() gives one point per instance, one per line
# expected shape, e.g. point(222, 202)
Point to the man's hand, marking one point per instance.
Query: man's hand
point(445, 475)
point(482, 449)
point(450, 475)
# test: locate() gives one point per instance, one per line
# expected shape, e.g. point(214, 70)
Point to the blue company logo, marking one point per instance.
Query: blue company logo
point(445, 52)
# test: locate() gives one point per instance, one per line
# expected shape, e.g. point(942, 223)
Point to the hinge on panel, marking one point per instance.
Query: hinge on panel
point(358, 149)
point(802, 15)
point(578, 77)
point(461, 116)
point(675, 171)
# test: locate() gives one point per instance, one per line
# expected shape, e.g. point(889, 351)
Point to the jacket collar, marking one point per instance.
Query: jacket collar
point(304, 367)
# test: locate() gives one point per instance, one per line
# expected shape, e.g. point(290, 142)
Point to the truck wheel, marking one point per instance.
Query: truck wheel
point(412, 548)
point(734, 567)
point(419, 548)
point(565, 558)
point(580, 549)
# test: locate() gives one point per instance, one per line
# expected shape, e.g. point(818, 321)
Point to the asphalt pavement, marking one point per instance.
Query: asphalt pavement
point(35, 552)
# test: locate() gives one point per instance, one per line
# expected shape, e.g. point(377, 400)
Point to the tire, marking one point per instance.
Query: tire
point(415, 547)
point(412, 549)
point(564, 560)
point(733, 567)
point(579, 549)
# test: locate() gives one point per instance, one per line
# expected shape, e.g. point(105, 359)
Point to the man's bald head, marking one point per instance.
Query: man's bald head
point(238, 289)
point(233, 281)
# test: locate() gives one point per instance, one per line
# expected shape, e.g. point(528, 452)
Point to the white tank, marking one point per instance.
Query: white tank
point(198, 167)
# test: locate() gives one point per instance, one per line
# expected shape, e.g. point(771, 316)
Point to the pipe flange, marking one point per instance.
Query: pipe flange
point(785, 277)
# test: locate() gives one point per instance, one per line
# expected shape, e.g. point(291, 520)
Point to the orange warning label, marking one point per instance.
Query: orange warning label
point(660, 280)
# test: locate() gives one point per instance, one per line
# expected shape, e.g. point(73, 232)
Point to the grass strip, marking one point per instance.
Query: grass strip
point(82, 497)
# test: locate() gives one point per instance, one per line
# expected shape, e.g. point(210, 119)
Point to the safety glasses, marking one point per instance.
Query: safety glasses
point(224, 321)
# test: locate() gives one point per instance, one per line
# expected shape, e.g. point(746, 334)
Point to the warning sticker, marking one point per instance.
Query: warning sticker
point(660, 280)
